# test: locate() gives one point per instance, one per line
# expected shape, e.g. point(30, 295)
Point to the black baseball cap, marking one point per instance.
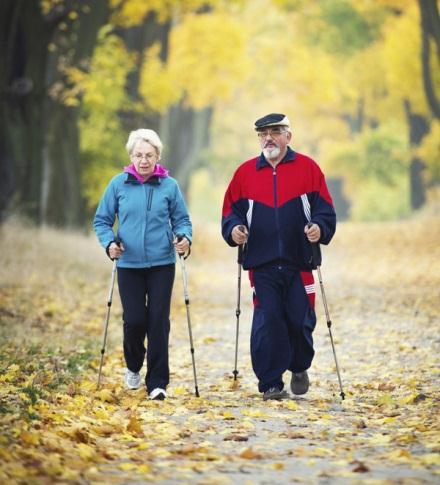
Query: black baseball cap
point(272, 119)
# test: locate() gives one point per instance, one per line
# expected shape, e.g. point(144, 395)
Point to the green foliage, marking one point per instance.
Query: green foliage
point(379, 153)
point(345, 29)
point(378, 201)
point(290, 5)
point(37, 371)
point(375, 167)
point(78, 361)
point(383, 155)
point(33, 393)
point(339, 27)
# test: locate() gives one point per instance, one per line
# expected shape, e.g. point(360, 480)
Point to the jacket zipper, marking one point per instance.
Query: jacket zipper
point(277, 221)
point(148, 197)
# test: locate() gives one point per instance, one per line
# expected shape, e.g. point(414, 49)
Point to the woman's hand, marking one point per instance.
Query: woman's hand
point(115, 251)
point(181, 246)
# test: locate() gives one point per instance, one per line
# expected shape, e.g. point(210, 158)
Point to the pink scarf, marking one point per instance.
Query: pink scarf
point(159, 171)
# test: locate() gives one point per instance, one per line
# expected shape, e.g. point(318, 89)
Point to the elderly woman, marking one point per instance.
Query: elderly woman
point(153, 222)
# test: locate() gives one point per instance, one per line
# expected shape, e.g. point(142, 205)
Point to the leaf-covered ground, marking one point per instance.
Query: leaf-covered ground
point(382, 283)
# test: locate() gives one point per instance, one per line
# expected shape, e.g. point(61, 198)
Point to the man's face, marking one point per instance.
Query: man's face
point(274, 140)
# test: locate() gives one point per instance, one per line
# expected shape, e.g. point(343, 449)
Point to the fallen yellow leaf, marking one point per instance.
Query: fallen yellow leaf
point(134, 426)
point(253, 413)
point(250, 454)
point(86, 452)
point(30, 437)
point(105, 395)
point(431, 459)
point(290, 405)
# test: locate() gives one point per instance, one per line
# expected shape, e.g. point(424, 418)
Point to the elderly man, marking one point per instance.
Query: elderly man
point(276, 205)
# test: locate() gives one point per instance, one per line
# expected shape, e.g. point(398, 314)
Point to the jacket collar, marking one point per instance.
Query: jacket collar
point(153, 180)
point(288, 157)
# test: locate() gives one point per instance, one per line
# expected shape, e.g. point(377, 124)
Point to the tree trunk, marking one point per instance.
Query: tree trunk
point(355, 121)
point(430, 28)
point(39, 153)
point(60, 196)
point(61, 201)
point(138, 39)
point(24, 39)
point(418, 128)
point(186, 136)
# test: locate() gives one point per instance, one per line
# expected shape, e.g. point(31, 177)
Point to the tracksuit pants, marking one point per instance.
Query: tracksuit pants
point(282, 325)
point(146, 299)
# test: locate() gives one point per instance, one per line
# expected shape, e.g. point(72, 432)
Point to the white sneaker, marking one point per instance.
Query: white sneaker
point(158, 394)
point(132, 379)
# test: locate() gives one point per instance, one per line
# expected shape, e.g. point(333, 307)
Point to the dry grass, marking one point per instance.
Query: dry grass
point(51, 282)
point(54, 281)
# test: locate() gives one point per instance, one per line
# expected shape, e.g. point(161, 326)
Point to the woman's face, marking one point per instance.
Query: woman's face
point(144, 157)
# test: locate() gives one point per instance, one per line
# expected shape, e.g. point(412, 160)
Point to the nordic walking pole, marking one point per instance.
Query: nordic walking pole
point(329, 326)
point(316, 256)
point(238, 310)
point(188, 317)
point(109, 304)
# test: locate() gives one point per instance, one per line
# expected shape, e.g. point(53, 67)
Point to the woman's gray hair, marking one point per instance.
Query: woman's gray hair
point(144, 134)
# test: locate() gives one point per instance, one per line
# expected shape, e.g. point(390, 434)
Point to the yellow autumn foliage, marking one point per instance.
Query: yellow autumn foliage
point(158, 87)
point(401, 52)
point(129, 13)
point(206, 61)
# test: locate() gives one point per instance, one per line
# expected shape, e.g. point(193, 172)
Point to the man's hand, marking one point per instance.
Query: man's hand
point(115, 251)
point(239, 234)
point(313, 233)
point(181, 246)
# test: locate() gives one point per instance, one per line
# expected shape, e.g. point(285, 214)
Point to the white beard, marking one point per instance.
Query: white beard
point(271, 153)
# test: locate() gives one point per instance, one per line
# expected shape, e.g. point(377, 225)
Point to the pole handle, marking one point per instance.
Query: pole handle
point(118, 243)
point(316, 258)
point(179, 238)
point(241, 228)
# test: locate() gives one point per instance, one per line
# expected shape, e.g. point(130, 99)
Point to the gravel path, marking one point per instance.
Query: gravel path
point(386, 336)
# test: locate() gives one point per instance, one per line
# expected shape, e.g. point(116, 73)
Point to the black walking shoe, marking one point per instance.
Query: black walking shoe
point(274, 393)
point(300, 382)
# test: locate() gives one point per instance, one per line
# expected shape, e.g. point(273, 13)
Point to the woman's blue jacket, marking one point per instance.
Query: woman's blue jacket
point(149, 215)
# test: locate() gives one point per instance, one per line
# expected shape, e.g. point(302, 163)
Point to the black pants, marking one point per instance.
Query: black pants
point(146, 298)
